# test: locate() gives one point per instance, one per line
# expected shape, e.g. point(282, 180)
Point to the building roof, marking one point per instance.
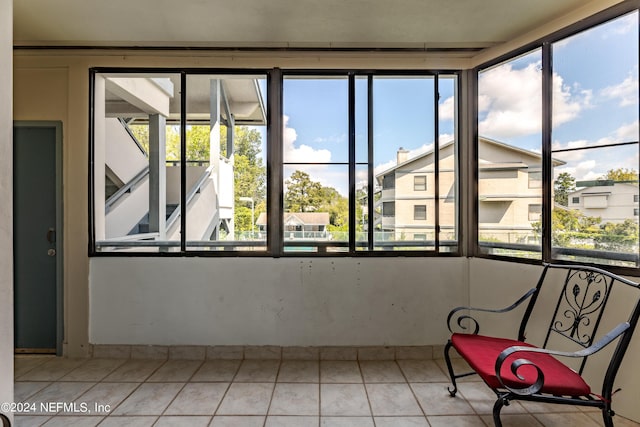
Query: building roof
point(299, 218)
point(485, 165)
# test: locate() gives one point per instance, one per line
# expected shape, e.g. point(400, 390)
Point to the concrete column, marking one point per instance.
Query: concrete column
point(214, 144)
point(157, 175)
point(99, 157)
point(6, 195)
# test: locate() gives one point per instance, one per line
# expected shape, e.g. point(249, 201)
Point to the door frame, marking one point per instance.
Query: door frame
point(57, 125)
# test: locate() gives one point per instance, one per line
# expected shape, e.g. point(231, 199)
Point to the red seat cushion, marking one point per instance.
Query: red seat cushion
point(481, 352)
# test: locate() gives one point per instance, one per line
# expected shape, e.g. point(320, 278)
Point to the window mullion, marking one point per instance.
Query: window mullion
point(352, 163)
point(183, 162)
point(370, 169)
point(275, 200)
point(436, 164)
point(547, 170)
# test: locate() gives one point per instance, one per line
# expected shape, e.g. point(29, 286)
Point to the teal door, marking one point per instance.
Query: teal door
point(36, 235)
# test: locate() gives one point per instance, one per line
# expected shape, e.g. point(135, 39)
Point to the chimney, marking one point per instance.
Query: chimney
point(402, 155)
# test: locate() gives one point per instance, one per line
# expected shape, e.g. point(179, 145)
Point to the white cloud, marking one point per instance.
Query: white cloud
point(446, 109)
point(334, 139)
point(445, 137)
point(302, 153)
point(626, 91)
point(627, 132)
point(512, 101)
point(623, 25)
point(593, 164)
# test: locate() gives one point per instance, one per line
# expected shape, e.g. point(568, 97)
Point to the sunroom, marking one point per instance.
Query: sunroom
point(285, 199)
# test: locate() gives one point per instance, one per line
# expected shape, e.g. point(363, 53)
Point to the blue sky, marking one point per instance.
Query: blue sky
point(595, 90)
point(316, 122)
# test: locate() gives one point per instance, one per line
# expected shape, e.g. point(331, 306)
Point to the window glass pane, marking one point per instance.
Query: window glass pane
point(136, 144)
point(226, 173)
point(509, 151)
point(316, 156)
point(448, 167)
point(316, 119)
point(362, 162)
point(403, 126)
point(316, 215)
point(595, 145)
point(419, 212)
point(420, 183)
point(362, 120)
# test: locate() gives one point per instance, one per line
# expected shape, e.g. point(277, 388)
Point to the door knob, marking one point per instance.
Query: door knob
point(51, 252)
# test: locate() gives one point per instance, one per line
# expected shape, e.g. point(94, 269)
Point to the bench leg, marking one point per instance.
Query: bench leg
point(447, 359)
point(497, 407)
point(607, 416)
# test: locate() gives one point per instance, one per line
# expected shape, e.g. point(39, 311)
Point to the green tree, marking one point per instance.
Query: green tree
point(621, 174)
point(303, 194)
point(562, 187)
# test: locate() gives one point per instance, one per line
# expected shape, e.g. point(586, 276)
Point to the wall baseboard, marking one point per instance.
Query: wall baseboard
point(113, 351)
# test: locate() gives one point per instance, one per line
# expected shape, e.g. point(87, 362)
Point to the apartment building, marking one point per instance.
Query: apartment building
point(509, 193)
point(610, 201)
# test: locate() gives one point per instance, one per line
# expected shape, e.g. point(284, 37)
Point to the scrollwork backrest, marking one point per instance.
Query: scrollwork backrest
point(580, 306)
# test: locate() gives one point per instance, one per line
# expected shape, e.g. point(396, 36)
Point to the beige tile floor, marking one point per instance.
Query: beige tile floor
point(265, 393)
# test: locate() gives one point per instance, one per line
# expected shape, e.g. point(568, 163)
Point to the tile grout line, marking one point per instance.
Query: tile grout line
point(273, 391)
point(366, 392)
point(144, 381)
point(424, 414)
point(235, 374)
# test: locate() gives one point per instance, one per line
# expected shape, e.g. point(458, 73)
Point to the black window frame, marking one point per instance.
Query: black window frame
point(274, 159)
point(544, 44)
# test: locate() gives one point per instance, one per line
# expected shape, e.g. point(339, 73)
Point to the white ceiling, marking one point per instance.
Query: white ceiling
point(282, 23)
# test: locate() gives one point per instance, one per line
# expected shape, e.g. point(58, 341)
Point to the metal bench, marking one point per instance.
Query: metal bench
point(575, 300)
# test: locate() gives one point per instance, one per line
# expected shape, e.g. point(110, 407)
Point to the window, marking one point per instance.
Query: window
point(389, 181)
point(315, 155)
point(535, 179)
point(604, 166)
point(590, 141)
point(636, 198)
point(404, 108)
point(509, 159)
point(419, 212)
point(152, 195)
point(535, 211)
point(389, 209)
point(636, 211)
point(190, 175)
point(136, 134)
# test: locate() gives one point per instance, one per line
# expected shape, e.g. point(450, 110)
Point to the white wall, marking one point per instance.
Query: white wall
point(285, 301)
point(6, 207)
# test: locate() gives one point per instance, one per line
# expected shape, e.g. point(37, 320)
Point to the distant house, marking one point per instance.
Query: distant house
point(611, 201)
point(300, 225)
point(509, 193)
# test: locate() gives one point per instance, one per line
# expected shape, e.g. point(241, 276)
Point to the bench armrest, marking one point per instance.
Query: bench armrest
point(535, 387)
point(460, 317)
